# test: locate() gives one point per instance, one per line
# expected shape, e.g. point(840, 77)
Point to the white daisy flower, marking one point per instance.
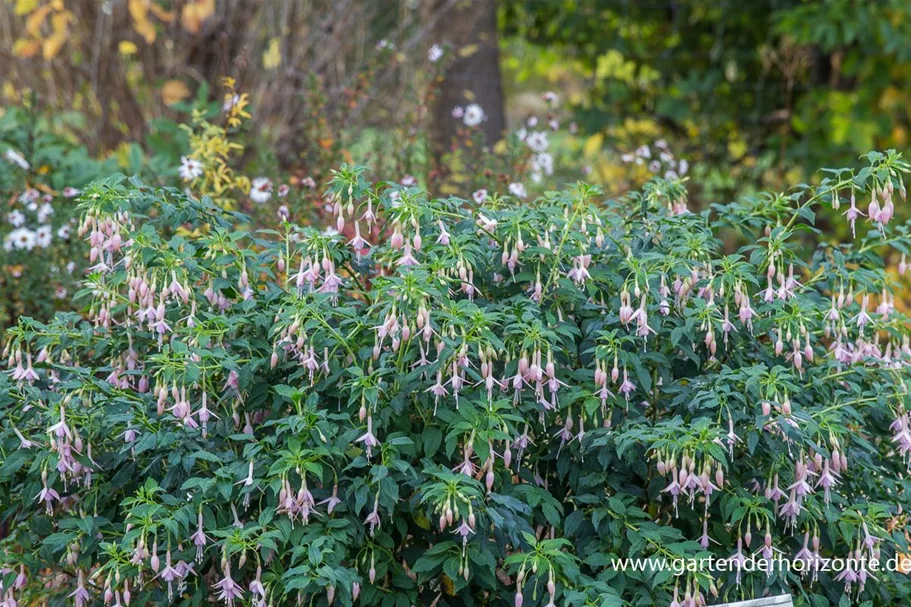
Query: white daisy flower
point(644, 152)
point(43, 236)
point(550, 97)
point(537, 141)
point(22, 238)
point(458, 111)
point(16, 159)
point(29, 197)
point(683, 167)
point(16, 218)
point(435, 53)
point(543, 163)
point(518, 190)
point(63, 232)
point(654, 166)
point(479, 195)
point(44, 212)
point(408, 181)
point(71, 267)
point(474, 115)
point(283, 190)
point(190, 168)
point(261, 190)
point(532, 122)
point(308, 182)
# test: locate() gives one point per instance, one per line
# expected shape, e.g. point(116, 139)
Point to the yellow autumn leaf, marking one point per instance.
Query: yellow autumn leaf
point(139, 11)
point(52, 44)
point(194, 13)
point(24, 7)
point(468, 50)
point(36, 20)
point(174, 91)
point(26, 48)
point(165, 15)
point(272, 57)
point(127, 48)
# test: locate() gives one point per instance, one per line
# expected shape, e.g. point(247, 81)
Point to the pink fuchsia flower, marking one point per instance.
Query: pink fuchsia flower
point(332, 501)
point(373, 519)
point(228, 589)
point(199, 538)
point(370, 441)
point(80, 596)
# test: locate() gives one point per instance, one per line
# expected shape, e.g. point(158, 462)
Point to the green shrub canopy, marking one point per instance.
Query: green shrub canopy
point(463, 403)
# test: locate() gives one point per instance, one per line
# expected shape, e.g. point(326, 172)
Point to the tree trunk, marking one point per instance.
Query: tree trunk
point(470, 28)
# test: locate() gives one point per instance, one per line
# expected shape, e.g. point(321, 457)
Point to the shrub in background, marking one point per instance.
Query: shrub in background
point(483, 406)
point(40, 173)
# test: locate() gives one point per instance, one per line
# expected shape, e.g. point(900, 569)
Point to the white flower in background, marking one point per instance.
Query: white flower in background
point(542, 163)
point(261, 190)
point(330, 232)
point(550, 97)
point(16, 159)
point(71, 267)
point(63, 232)
point(435, 53)
point(666, 156)
point(30, 197)
point(382, 44)
point(479, 195)
point(671, 175)
point(308, 182)
point(553, 124)
point(474, 115)
point(70, 192)
point(408, 181)
point(60, 293)
point(43, 236)
point(518, 190)
point(661, 144)
point(22, 239)
point(283, 190)
point(683, 167)
point(395, 198)
point(654, 166)
point(44, 212)
point(190, 168)
point(532, 122)
point(537, 141)
point(627, 158)
point(458, 111)
point(643, 152)
point(16, 218)
point(573, 128)
point(522, 133)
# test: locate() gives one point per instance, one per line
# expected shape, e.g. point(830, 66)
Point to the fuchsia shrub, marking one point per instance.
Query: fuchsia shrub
point(483, 406)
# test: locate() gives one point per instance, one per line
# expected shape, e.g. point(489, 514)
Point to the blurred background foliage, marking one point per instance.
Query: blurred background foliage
point(752, 95)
